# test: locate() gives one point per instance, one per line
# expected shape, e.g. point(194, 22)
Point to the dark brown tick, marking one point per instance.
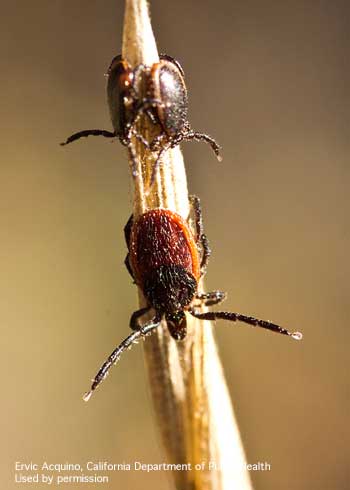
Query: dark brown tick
point(159, 92)
point(166, 260)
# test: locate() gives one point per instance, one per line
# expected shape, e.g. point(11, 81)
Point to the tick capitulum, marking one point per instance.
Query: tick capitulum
point(166, 260)
point(158, 92)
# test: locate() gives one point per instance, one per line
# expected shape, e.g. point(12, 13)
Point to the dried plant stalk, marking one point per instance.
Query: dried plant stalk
point(190, 396)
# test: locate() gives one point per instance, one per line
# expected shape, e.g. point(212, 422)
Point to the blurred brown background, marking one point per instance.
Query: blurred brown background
point(270, 80)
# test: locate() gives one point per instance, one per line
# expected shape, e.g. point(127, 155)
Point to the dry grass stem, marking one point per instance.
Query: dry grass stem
point(189, 392)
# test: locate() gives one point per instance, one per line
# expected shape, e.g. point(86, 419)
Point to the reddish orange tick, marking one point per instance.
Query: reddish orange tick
point(166, 259)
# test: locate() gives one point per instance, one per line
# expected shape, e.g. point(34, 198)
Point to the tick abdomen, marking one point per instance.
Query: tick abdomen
point(161, 237)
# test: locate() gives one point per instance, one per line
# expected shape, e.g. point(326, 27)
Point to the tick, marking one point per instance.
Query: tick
point(157, 91)
point(166, 259)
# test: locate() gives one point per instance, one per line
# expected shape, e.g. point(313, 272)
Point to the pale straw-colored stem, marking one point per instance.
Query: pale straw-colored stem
point(191, 401)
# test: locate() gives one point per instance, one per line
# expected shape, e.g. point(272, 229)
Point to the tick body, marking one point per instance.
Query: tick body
point(166, 259)
point(165, 92)
point(164, 262)
point(159, 92)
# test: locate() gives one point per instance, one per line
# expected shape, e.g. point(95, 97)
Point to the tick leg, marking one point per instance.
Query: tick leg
point(206, 254)
point(139, 137)
point(212, 298)
point(127, 230)
point(89, 132)
point(201, 237)
point(197, 208)
point(192, 135)
point(144, 106)
point(133, 159)
point(134, 325)
point(125, 140)
point(132, 132)
point(157, 141)
point(114, 357)
point(127, 265)
point(254, 322)
point(157, 163)
point(127, 234)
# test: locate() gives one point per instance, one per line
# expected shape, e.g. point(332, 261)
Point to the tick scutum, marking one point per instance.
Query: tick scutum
point(121, 106)
point(169, 87)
